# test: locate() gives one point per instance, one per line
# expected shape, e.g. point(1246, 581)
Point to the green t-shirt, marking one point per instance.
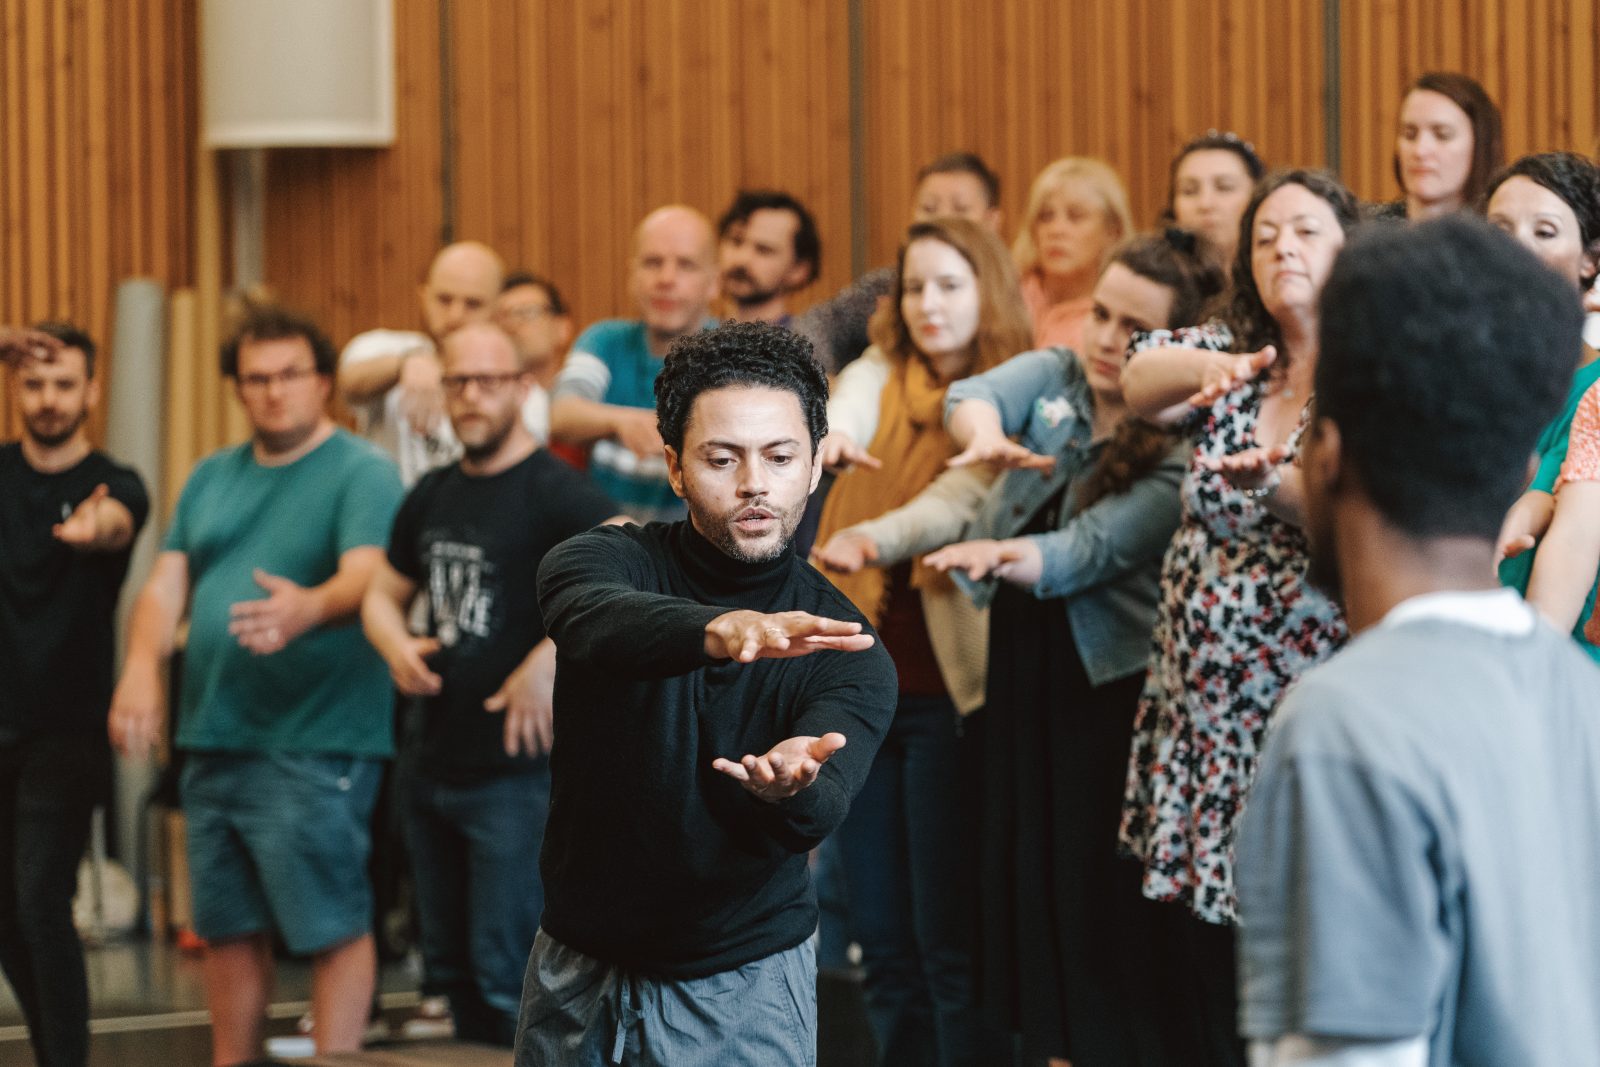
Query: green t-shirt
point(328, 690)
point(1551, 452)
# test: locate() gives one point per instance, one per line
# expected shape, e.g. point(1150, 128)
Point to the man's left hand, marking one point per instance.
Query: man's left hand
point(789, 767)
point(267, 626)
point(527, 698)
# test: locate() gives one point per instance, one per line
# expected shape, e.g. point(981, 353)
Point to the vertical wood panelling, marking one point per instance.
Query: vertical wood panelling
point(1536, 58)
point(1125, 80)
point(97, 126)
point(574, 118)
point(572, 121)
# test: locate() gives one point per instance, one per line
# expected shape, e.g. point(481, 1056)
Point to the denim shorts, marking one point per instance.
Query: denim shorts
point(280, 842)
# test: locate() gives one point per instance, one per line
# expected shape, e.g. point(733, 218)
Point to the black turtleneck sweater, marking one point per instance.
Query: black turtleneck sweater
point(654, 861)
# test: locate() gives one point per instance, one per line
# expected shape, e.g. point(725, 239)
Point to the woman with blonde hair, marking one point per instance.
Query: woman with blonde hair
point(956, 311)
point(1077, 212)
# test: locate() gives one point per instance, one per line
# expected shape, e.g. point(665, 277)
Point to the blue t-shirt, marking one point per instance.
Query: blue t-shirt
point(611, 363)
point(327, 691)
point(1551, 453)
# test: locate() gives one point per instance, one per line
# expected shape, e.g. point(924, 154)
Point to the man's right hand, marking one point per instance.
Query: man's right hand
point(421, 390)
point(136, 710)
point(409, 669)
point(746, 636)
point(635, 429)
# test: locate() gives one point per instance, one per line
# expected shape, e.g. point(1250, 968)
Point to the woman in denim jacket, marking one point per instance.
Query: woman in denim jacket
point(1067, 545)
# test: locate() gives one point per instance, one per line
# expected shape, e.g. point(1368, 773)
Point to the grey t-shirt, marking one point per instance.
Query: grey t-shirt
point(1420, 854)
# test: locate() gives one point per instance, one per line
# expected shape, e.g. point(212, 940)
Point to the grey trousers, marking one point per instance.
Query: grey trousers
point(580, 1012)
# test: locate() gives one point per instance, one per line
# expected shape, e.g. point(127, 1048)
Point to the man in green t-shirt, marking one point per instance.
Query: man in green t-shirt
point(286, 711)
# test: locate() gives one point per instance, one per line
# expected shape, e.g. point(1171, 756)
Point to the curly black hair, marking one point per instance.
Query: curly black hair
point(1445, 348)
point(734, 354)
point(1571, 177)
point(266, 322)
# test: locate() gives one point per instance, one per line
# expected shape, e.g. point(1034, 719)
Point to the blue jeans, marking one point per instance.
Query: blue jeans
point(578, 1011)
point(475, 859)
point(908, 874)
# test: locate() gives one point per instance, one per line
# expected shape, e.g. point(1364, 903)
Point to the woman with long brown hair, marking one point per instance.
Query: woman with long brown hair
point(956, 311)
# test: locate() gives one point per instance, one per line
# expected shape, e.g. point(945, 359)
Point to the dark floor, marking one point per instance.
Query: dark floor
point(148, 1007)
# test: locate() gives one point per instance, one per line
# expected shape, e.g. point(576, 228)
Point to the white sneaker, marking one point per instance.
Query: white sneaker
point(430, 1019)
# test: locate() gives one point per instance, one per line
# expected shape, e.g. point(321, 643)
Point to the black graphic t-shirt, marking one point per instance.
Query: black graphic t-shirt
point(57, 604)
point(473, 545)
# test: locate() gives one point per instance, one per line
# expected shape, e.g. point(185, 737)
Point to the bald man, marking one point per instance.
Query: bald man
point(391, 377)
point(605, 396)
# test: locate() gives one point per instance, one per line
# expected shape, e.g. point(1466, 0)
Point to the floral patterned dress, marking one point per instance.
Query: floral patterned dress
point(1238, 623)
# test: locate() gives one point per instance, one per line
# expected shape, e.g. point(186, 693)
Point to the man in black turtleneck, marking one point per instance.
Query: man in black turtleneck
point(678, 911)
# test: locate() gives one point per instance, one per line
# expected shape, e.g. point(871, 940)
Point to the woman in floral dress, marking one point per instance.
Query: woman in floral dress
point(1238, 621)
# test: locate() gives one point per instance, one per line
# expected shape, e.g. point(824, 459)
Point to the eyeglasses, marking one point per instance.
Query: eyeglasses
point(456, 384)
point(259, 383)
point(531, 313)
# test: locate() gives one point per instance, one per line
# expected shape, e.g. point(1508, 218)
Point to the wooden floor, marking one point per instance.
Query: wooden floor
point(148, 1010)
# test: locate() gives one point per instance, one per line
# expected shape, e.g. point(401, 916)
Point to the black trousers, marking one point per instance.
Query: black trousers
point(49, 785)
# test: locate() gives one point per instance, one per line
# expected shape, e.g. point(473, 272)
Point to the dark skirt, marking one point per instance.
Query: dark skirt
point(1065, 933)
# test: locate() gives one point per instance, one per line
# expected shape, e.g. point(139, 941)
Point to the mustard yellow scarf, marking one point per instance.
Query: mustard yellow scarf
point(913, 445)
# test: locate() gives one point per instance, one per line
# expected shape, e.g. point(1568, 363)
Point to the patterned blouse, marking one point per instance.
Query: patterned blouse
point(1237, 624)
point(1583, 445)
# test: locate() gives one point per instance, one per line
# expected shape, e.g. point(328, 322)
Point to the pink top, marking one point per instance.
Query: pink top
point(1055, 324)
point(1583, 444)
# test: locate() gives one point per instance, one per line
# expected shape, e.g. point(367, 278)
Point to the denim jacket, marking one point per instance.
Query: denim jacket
point(1104, 562)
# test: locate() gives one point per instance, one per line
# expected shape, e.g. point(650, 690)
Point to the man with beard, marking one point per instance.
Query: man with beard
point(1417, 860)
point(390, 378)
point(476, 786)
point(678, 915)
point(286, 714)
point(767, 248)
point(66, 531)
point(602, 399)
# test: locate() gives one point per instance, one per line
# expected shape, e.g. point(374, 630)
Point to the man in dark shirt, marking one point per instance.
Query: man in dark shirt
point(678, 912)
point(475, 789)
point(66, 529)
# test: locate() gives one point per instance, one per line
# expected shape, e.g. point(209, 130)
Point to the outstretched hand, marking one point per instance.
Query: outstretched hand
point(845, 552)
point(787, 768)
point(1227, 372)
point(265, 626)
point(1251, 469)
point(746, 636)
point(839, 452)
point(81, 529)
point(1002, 452)
point(20, 346)
point(1018, 560)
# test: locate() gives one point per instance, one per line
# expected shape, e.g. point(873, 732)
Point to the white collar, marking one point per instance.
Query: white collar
point(1500, 611)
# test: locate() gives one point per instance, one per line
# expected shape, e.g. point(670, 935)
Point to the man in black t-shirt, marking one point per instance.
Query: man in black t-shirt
point(66, 529)
point(477, 785)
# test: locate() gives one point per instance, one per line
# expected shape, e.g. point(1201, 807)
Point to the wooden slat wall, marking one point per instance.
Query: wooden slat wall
point(572, 120)
point(1536, 58)
point(97, 132)
point(347, 229)
point(1127, 80)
